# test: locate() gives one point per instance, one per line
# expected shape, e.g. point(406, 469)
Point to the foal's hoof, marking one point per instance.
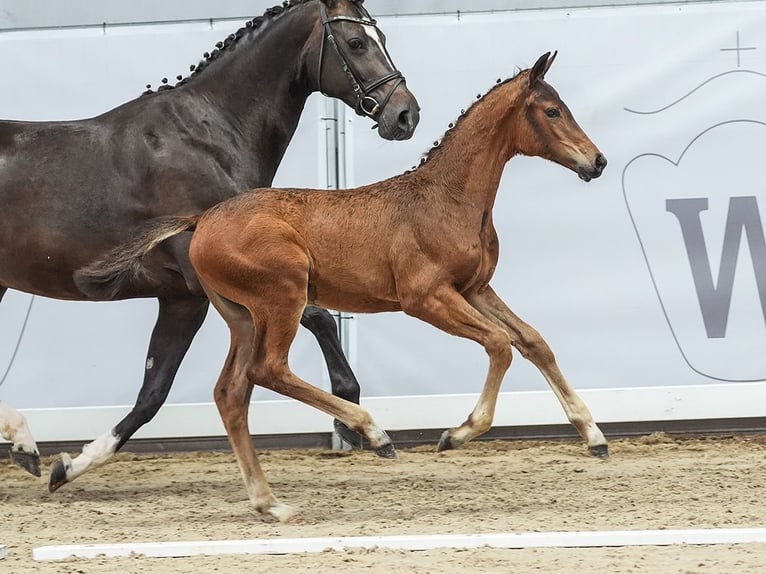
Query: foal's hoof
point(447, 442)
point(58, 476)
point(283, 513)
point(600, 450)
point(354, 439)
point(28, 461)
point(387, 451)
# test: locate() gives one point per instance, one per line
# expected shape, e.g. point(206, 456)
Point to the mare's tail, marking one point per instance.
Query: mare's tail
point(106, 277)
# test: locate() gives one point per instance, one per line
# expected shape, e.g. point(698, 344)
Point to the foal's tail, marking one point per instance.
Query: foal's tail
point(107, 276)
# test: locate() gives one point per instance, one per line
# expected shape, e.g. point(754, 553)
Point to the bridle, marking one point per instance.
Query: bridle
point(365, 103)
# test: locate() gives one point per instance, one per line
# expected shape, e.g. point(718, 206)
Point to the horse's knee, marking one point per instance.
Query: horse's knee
point(498, 347)
point(269, 373)
point(533, 347)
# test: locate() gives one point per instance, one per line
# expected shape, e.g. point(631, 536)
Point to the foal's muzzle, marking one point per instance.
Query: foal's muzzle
point(593, 171)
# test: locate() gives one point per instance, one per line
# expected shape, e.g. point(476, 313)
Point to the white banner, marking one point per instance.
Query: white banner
point(652, 277)
point(654, 274)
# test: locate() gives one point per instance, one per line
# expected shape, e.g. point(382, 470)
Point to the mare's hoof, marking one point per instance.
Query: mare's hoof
point(354, 439)
point(386, 451)
point(600, 450)
point(28, 461)
point(58, 476)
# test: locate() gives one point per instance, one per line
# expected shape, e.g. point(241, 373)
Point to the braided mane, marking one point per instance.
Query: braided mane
point(249, 29)
point(453, 125)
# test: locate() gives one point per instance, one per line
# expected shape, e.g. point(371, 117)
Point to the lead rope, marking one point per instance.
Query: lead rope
point(18, 343)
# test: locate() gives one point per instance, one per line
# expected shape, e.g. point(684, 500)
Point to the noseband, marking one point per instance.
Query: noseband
point(365, 103)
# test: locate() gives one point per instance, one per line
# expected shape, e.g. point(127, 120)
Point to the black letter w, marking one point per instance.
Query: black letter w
point(715, 299)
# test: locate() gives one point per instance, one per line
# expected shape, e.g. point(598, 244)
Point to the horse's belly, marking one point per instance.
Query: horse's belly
point(45, 274)
point(353, 302)
point(353, 294)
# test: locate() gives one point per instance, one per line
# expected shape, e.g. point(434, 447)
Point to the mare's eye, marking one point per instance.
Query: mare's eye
point(552, 112)
point(355, 43)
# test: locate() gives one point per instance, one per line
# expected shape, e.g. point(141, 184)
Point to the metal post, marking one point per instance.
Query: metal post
point(335, 134)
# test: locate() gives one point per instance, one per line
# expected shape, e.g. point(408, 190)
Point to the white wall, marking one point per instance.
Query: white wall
point(601, 270)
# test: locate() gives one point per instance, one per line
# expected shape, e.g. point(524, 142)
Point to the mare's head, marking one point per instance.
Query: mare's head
point(551, 131)
point(354, 66)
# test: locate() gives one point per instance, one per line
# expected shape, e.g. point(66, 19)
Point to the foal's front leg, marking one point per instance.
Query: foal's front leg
point(448, 310)
point(532, 346)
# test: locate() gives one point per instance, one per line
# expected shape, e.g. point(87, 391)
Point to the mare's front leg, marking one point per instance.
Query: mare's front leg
point(342, 379)
point(532, 346)
point(14, 428)
point(448, 310)
point(177, 324)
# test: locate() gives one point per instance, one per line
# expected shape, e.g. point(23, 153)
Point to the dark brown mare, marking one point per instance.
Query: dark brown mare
point(72, 191)
point(423, 243)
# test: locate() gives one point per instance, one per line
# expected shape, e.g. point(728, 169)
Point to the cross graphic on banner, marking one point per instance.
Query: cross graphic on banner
point(737, 49)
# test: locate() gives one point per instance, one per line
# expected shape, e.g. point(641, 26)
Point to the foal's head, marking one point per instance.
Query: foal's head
point(549, 129)
point(354, 66)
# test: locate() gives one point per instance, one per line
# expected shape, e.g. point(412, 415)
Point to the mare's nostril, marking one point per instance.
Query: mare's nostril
point(404, 120)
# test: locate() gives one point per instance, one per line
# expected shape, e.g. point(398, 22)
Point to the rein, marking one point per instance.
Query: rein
point(365, 103)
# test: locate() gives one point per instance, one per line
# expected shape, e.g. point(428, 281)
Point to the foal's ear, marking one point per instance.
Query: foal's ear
point(540, 68)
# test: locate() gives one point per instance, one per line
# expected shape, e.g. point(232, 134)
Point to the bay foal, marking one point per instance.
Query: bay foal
point(423, 243)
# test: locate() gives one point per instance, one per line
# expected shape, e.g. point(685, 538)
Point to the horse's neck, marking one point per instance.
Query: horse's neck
point(471, 160)
point(261, 84)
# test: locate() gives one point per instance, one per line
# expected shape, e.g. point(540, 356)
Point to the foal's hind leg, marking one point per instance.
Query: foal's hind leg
point(232, 397)
point(258, 355)
point(177, 323)
point(533, 347)
point(14, 428)
point(342, 379)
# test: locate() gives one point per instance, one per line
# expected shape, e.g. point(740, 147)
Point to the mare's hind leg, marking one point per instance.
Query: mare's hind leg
point(177, 323)
point(342, 379)
point(14, 428)
point(532, 346)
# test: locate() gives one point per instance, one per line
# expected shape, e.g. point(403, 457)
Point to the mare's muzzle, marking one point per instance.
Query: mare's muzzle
point(366, 104)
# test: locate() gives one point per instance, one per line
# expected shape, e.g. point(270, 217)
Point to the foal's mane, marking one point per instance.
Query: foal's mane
point(249, 29)
point(436, 148)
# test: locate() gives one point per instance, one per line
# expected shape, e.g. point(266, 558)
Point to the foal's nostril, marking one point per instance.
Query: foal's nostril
point(600, 162)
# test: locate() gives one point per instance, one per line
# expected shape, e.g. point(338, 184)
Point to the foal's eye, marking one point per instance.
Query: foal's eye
point(552, 112)
point(355, 43)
